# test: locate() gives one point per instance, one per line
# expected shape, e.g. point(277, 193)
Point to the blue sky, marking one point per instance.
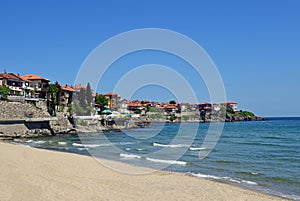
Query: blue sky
point(254, 44)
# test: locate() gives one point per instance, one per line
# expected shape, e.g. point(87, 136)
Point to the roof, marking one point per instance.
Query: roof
point(33, 77)
point(135, 105)
point(77, 87)
point(171, 107)
point(11, 76)
point(110, 94)
point(228, 102)
point(205, 103)
point(67, 88)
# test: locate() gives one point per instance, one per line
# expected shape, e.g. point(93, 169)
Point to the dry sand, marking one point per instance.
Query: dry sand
point(33, 174)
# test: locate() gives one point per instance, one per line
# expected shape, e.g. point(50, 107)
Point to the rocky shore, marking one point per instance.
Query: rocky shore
point(32, 120)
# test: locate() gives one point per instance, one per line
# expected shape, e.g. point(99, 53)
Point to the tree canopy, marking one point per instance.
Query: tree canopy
point(172, 102)
point(4, 91)
point(101, 100)
point(53, 94)
point(89, 94)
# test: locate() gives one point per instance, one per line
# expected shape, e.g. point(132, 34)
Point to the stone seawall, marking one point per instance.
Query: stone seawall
point(17, 110)
point(24, 120)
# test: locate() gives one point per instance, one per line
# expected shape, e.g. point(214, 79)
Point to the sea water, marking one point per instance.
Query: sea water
point(262, 155)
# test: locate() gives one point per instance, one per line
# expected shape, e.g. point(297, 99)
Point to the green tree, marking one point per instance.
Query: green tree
point(88, 94)
point(82, 98)
point(138, 112)
point(230, 111)
point(53, 95)
point(173, 102)
point(58, 93)
point(4, 91)
point(101, 100)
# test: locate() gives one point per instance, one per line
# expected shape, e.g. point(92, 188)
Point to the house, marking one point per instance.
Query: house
point(123, 106)
point(171, 108)
point(182, 107)
point(113, 100)
point(78, 87)
point(66, 94)
point(39, 84)
point(13, 82)
point(216, 107)
point(205, 106)
point(230, 105)
point(135, 105)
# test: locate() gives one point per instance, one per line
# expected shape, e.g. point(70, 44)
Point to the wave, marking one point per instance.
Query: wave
point(249, 173)
point(86, 145)
point(131, 156)
point(39, 142)
point(62, 143)
point(124, 143)
point(82, 149)
point(199, 175)
point(172, 162)
point(199, 148)
point(169, 145)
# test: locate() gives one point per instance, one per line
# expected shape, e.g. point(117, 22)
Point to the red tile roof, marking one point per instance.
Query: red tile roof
point(171, 107)
point(67, 88)
point(205, 103)
point(11, 76)
point(228, 102)
point(135, 105)
point(110, 94)
point(78, 86)
point(33, 77)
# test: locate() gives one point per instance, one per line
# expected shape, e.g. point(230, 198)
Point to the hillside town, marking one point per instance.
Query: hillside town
point(37, 106)
point(31, 88)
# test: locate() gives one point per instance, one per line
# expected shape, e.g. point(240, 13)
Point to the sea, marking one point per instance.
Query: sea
point(259, 155)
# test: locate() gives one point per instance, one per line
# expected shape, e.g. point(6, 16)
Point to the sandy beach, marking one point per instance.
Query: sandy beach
point(32, 174)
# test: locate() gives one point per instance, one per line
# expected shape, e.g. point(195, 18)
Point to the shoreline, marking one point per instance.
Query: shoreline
point(28, 169)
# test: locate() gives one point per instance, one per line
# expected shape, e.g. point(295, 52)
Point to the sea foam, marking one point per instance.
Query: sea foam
point(131, 156)
point(172, 162)
point(169, 145)
point(198, 148)
point(86, 145)
point(223, 179)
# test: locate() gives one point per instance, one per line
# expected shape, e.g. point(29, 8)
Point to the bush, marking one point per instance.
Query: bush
point(154, 109)
point(230, 111)
point(186, 118)
point(81, 123)
point(157, 116)
point(138, 112)
point(246, 114)
point(4, 91)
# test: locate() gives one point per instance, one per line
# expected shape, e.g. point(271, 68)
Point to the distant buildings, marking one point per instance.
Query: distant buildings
point(205, 106)
point(66, 94)
point(113, 100)
point(14, 82)
point(34, 87)
point(230, 105)
point(39, 84)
